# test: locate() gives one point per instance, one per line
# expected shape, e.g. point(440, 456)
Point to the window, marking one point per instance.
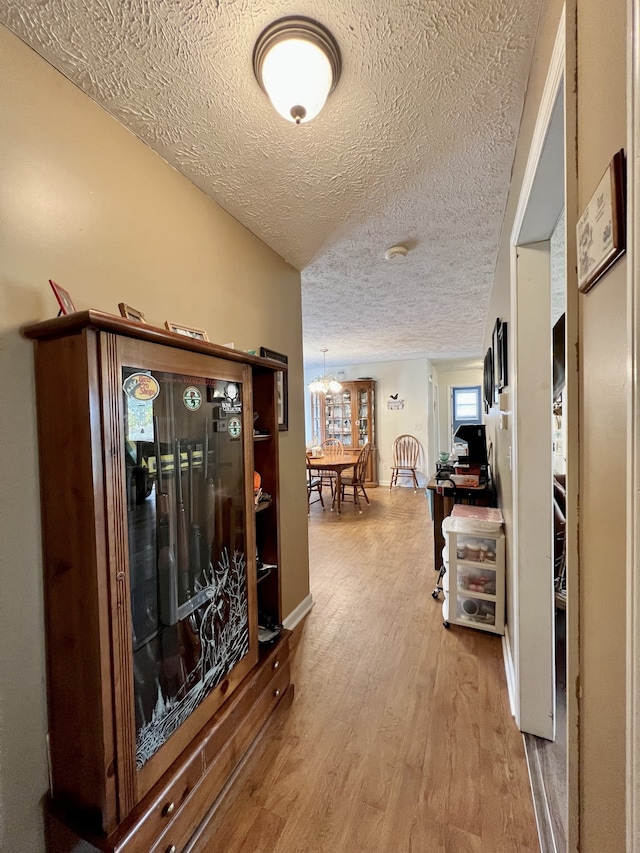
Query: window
point(465, 406)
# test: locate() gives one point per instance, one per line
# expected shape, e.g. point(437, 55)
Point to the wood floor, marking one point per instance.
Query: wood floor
point(399, 737)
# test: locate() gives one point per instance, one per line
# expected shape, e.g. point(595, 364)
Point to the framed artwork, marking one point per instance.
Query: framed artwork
point(187, 331)
point(131, 313)
point(282, 386)
point(64, 300)
point(495, 359)
point(503, 366)
point(601, 228)
point(487, 380)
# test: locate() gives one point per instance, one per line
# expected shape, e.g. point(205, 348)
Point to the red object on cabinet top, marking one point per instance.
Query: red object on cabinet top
point(480, 513)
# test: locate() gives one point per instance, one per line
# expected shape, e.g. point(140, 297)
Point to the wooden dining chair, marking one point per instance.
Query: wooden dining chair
point(358, 479)
point(406, 449)
point(331, 445)
point(314, 484)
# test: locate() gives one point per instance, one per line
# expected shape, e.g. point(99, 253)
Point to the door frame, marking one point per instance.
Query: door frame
point(530, 646)
point(633, 436)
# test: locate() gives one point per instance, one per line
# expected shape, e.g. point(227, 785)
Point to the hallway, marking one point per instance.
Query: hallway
point(399, 737)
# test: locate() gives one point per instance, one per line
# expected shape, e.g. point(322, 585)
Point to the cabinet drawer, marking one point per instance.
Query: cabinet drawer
point(476, 610)
point(200, 804)
point(168, 804)
point(274, 660)
point(271, 665)
point(473, 579)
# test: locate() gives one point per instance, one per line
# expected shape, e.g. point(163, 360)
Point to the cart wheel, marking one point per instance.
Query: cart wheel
point(435, 594)
point(446, 624)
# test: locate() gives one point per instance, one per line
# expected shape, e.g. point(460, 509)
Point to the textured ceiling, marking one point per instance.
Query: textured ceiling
point(415, 145)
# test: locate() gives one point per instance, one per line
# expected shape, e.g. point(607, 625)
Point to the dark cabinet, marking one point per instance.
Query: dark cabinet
point(155, 548)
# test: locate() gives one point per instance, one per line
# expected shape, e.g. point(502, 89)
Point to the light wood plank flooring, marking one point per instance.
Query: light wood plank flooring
point(399, 737)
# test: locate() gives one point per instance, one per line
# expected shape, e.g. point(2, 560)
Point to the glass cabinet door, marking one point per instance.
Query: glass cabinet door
point(363, 416)
point(316, 418)
point(186, 508)
point(338, 417)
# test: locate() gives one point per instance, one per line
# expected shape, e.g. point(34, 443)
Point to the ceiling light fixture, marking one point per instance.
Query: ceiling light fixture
point(396, 253)
point(325, 384)
point(297, 63)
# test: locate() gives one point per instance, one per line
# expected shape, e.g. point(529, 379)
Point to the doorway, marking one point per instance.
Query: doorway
point(535, 655)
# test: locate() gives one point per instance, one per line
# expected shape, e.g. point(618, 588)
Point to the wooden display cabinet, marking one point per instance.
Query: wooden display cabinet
point(348, 416)
point(153, 539)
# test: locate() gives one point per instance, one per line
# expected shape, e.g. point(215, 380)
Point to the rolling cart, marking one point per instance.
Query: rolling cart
point(473, 569)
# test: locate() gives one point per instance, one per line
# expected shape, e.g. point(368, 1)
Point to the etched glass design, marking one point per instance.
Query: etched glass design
point(188, 574)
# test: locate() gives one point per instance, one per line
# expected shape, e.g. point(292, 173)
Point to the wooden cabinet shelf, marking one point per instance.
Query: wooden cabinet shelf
point(157, 681)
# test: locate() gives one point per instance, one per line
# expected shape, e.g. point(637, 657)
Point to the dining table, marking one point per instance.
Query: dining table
point(336, 462)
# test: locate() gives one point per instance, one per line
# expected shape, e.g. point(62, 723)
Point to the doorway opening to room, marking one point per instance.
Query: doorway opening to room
point(537, 653)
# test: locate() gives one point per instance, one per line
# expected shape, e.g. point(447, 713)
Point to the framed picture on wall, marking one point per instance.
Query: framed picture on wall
point(601, 228)
point(495, 359)
point(282, 386)
point(503, 371)
point(487, 380)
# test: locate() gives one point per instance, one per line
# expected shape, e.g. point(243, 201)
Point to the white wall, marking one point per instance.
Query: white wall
point(408, 379)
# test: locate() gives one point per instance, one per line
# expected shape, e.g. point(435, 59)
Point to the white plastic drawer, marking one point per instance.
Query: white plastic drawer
point(477, 611)
point(481, 579)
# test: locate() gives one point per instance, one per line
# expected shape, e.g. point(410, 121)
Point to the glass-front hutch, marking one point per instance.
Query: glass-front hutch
point(161, 564)
point(348, 416)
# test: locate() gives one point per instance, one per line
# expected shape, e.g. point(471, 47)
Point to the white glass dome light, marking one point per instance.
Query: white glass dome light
point(297, 63)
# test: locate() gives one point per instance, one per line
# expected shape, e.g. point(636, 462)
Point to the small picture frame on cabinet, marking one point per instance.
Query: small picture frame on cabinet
point(187, 331)
point(130, 313)
point(282, 386)
point(64, 300)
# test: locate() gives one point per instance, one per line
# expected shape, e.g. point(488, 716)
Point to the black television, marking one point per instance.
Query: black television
point(473, 435)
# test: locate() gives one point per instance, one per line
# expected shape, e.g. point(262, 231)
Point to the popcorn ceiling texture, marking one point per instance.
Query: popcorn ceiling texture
point(414, 146)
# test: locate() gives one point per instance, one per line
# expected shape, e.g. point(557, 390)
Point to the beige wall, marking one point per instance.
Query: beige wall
point(601, 117)
point(601, 130)
point(86, 203)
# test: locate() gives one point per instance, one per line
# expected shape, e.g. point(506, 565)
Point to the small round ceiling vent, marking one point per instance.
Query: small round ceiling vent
point(396, 253)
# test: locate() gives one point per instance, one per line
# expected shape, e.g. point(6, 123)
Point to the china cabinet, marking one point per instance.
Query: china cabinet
point(161, 565)
point(348, 416)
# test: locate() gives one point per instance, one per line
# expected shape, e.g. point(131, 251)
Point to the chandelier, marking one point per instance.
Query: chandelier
point(325, 384)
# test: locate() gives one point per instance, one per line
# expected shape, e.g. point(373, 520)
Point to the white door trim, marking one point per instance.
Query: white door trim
point(633, 437)
point(533, 712)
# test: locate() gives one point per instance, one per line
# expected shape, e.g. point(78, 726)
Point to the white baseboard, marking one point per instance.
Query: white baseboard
point(509, 670)
point(298, 613)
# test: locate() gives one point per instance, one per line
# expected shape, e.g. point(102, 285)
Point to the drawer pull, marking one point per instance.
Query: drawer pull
point(172, 849)
point(276, 664)
point(276, 692)
point(168, 810)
